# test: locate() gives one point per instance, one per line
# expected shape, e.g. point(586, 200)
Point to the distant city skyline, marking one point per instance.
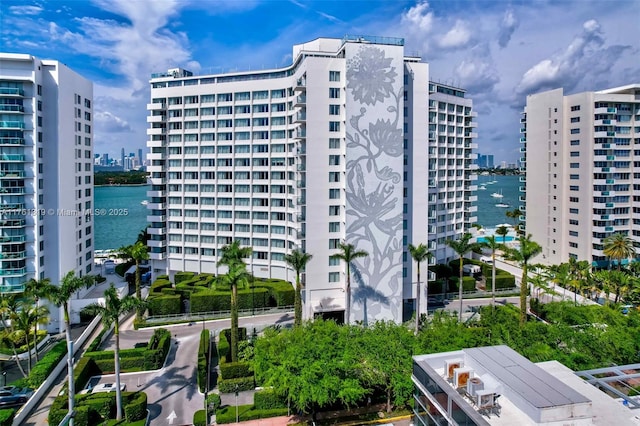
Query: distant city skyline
point(498, 52)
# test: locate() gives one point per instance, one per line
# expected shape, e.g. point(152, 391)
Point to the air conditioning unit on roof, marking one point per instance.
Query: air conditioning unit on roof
point(450, 365)
point(461, 376)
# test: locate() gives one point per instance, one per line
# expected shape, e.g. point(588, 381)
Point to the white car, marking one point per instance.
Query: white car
point(486, 259)
point(107, 387)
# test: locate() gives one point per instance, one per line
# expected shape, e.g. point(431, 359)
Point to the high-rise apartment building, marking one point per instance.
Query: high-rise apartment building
point(582, 171)
point(335, 147)
point(46, 171)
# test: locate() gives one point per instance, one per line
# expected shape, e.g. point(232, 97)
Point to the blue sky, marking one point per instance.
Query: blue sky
point(499, 51)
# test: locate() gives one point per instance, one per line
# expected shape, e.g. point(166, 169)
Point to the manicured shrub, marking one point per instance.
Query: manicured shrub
point(121, 268)
point(215, 300)
point(234, 370)
point(215, 400)
point(159, 284)
point(246, 412)
point(83, 371)
point(436, 287)
point(468, 284)
point(199, 418)
point(45, 366)
point(82, 416)
point(203, 356)
point(503, 281)
point(243, 383)
point(6, 416)
point(165, 305)
point(441, 270)
point(104, 405)
point(224, 349)
point(267, 399)
point(182, 276)
point(95, 343)
point(135, 408)
point(169, 291)
point(281, 291)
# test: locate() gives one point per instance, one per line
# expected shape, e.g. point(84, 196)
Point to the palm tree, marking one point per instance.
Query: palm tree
point(561, 275)
point(606, 282)
point(236, 275)
point(515, 215)
point(528, 249)
point(540, 281)
point(461, 247)
point(492, 244)
point(619, 246)
point(27, 318)
point(8, 306)
point(111, 311)
point(502, 231)
point(232, 255)
point(348, 253)
point(37, 289)
point(419, 255)
point(298, 261)
point(138, 252)
point(60, 295)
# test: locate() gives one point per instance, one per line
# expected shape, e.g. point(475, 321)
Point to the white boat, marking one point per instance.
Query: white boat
point(503, 205)
point(497, 194)
point(482, 188)
point(144, 202)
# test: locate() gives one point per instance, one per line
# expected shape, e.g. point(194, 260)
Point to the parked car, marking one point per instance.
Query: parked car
point(12, 395)
point(107, 387)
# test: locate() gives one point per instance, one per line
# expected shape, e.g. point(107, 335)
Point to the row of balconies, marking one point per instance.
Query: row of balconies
point(11, 108)
point(11, 91)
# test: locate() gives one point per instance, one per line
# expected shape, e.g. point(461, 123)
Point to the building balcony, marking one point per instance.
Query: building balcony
point(7, 239)
point(12, 223)
point(300, 117)
point(471, 135)
point(156, 106)
point(157, 243)
point(522, 179)
point(300, 134)
point(606, 122)
point(156, 144)
point(16, 190)
point(157, 256)
point(14, 272)
point(11, 108)
point(523, 160)
point(156, 231)
point(4, 208)
point(156, 194)
point(156, 118)
point(156, 218)
point(155, 156)
point(12, 158)
point(11, 91)
point(300, 101)
point(158, 181)
point(12, 125)
point(301, 84)
point(12, 141)
point(13, 255)
point(156, 131)
point(522, 198)
point(12, 174)
point(523, 130)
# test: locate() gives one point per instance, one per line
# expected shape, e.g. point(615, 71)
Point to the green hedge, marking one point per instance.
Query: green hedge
point(246, 413)
point(199, 418)
point(165, 305)
point(281, 291)
point(45, 366)
point(182, 276)
point(503, 281)
point(150, 357)
point(83, 371)
point(6, 416)
point(267, 399)
point(136, 407)
point(121, 268)
point(93, 409)
point(243, 383)
point(216, 300)
point(468, 284)
point(224, 349)
point(234, 370)
point(159, 284)
point(95, 343)
point(203, 356)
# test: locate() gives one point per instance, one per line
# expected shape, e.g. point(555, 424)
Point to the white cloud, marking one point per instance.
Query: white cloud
point(419, 17)
point(508, 25)
point(108, 122)
point(456, 37)
point(25, 10)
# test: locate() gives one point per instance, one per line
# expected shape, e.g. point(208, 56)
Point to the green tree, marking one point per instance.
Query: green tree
point(561, 275)
point(37, 289)
point(528, 250)
point(137, 252)
point(8, 306)
point(419, 254)
point(237, 275)
point(619, 247)
point(60, 295)
point(348, 253)
point(606, 282)
point(298, 261)
point(26, 319)
point(111, 311)
point(461, 247)
point(492, 244)
point(502, 231)
point(515, 216)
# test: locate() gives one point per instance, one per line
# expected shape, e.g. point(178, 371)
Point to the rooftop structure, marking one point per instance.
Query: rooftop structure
point(497, 386)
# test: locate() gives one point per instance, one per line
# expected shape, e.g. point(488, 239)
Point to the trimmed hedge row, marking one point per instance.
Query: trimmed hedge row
point(224, 345)
point(45, 366)
point(92, 409)
point(267, 399)
point(182, 276)
point(203, 356)
point(199, 418)
point(215, 300)
point(281, 291)
point(246, 412)
point(243, 384)
point(167, 304)
point(234, 370)
point(6, 416)
point(468, 284)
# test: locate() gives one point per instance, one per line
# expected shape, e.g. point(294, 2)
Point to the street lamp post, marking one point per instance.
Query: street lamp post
point(237, 417)
point(4, 378)
point(253, 297)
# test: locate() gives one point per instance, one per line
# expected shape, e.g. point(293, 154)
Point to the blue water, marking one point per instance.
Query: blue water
point(488, 214)
point(124, 217)
point(507, 238)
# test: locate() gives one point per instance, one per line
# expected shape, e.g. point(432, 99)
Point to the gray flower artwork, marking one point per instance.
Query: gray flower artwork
point(374, 183)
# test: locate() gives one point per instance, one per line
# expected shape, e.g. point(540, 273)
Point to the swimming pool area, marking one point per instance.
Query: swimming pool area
point(507, 238)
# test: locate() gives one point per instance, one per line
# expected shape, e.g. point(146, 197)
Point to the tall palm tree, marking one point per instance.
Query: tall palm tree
point(461, 247)
point(111, 311)
point(606, 282)
point(298, 261)
point(8, 306)
point(515, 215)
point(37, 289)
point(540, 281)
point(232, 256)
point(420, 254)
point(60, 295)
point(528, 249)
point(348, 253)
point(619, 246)
point(236, 275)
point(27, 318)
point(502, 231)
point(137, 252)
point(492, 244)
point(561, 275)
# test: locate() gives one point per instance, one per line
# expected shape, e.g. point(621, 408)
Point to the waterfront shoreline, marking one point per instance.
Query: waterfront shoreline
point(122, 184)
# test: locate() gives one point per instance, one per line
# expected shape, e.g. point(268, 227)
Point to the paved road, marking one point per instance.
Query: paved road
point(172, 392)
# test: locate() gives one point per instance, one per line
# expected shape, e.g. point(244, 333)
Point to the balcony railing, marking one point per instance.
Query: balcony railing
point(11, 141)
point(14, 271)
point(12, 124)
point(11, 108)
point(11, 91)
point(11, 157)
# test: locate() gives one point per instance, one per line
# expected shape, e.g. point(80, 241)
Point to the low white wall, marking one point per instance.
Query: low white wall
point(43, 390)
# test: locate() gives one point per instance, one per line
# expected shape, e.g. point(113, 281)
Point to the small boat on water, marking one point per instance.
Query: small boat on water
point(503, 205)
point(497, 194)
point(482, 188)
point(144, 202)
